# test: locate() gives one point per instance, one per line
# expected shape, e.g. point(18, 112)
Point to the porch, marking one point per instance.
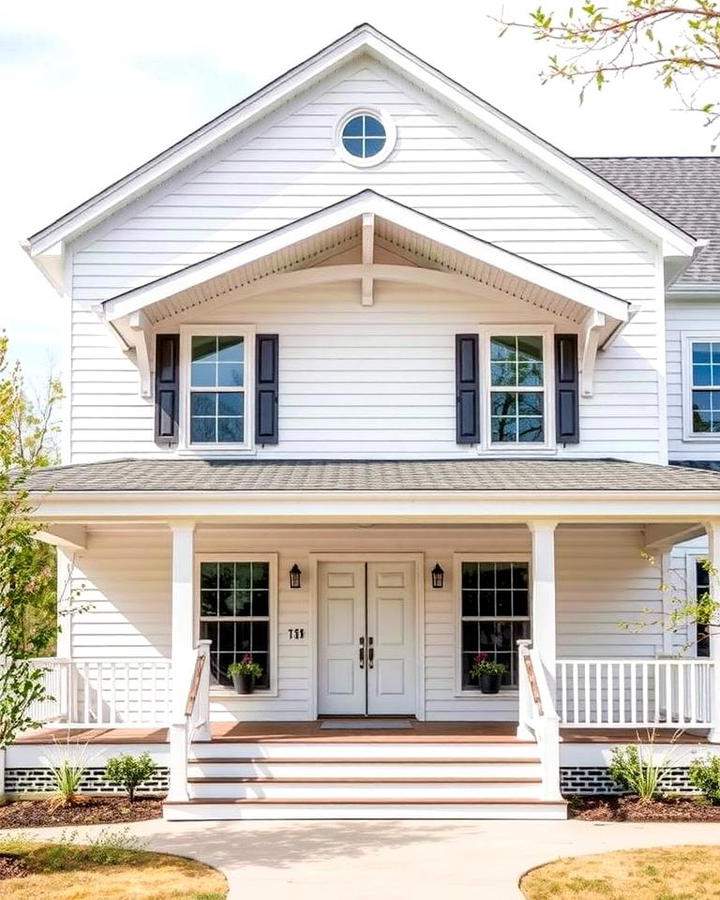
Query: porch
point(369, 594)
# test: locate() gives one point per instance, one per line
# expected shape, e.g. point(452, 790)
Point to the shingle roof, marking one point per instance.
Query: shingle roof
point(372, 475)
point(683, 189)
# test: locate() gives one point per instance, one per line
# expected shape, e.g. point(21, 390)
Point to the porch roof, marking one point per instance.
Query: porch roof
point(462, 475)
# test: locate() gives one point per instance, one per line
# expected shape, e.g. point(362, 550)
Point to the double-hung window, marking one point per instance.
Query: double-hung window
point(217, 386)
point(705, 386)
point(494, 614)
point(517, 389)
point(236, 610)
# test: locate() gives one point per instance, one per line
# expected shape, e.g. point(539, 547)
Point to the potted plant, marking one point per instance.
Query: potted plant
point(244, 674)
point(488, 673)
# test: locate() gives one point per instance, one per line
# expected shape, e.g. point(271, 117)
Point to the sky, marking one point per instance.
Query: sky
point(89, 91)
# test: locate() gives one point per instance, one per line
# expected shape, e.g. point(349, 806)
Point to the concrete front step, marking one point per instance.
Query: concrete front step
point(341, 808)
point(385, 750)
point(379, 790)
point(357, 769)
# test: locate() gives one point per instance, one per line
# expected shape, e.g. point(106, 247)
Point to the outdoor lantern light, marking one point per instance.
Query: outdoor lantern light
point(295, 574)
point(438, 576)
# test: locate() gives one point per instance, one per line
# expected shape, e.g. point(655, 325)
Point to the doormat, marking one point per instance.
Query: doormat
point(365, 724)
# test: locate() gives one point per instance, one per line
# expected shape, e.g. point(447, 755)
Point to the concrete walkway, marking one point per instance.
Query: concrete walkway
point(390, 860)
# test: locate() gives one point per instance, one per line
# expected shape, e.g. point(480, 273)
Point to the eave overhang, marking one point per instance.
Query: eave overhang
point(376, 507)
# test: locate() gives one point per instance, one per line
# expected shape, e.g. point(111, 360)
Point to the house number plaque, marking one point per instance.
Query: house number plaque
point(296, 634)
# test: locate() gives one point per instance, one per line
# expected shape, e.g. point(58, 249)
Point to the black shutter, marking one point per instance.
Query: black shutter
point(467, 389)
point(266, 389)
point(167, 370)
point(567, 389)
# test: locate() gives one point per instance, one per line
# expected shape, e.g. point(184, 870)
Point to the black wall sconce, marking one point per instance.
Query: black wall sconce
point(295, 574)
point(438, 576)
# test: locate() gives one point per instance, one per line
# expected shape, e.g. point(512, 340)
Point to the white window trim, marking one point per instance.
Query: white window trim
point(390, 137)
point(272, 560)
point(184, 444)
point(546, 332)
point(689, 338)
point(458, 560)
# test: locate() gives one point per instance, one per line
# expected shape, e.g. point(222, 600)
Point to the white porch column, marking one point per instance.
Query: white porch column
point(713, 534)
point(542, 566)
point(182, 616)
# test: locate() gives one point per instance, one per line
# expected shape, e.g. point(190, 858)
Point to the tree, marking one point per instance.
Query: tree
point(22, 579)
point(679, 43)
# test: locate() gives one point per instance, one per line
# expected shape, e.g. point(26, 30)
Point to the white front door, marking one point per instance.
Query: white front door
point(366, 625)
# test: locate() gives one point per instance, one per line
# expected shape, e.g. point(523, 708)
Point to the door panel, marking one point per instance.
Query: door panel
point(373, 603)
point(391, 627)
point(341, 622)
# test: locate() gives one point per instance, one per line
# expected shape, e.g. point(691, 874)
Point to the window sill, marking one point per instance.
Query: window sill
point(707, 437)
point(505, 694)
point(527, 450)
point(213, 451)
point(222, 692)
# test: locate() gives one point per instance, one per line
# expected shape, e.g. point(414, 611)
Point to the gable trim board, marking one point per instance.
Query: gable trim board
point(367, 202)
point(362, 40)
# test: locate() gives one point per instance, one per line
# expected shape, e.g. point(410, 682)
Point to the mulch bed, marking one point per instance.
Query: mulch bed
point(12, 866)
point(632, 809)
point(94, 811)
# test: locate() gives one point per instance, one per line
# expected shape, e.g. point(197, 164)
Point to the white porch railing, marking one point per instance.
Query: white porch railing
point(537, 716)
point(191, 723)
point(112, 693)
point(621, 693)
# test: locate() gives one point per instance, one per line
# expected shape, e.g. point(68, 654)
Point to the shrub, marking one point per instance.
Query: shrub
point(704, 774)
point(130, 771)
point(633, 769)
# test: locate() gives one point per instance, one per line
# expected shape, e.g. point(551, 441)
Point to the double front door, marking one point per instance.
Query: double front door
point(366, 629)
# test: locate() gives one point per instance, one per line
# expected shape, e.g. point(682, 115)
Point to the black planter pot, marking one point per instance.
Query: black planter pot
point(244, 684)
point(490, 684)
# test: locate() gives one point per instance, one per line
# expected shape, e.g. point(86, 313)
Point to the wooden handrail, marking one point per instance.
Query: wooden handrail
point(532, 680)
point(194, 685)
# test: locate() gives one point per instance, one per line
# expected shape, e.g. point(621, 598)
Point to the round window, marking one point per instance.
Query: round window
point(364, 136)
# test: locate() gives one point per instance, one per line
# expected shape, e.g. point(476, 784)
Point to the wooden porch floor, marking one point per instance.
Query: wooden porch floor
point(419, 732)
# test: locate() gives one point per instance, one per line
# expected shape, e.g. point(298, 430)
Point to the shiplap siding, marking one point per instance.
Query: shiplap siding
point(126, 578)
point(683, 316)
point(397, 353)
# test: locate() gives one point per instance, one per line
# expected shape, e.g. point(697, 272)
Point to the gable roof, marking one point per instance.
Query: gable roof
point(361, 40)
point(476, 260)
point(684, 189)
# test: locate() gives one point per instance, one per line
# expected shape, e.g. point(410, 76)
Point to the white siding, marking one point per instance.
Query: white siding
point(286, 168)
point(361, 381)
point(127, 578)
point(682, 316)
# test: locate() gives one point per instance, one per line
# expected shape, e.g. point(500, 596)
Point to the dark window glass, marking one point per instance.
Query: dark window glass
point(702, 587)
point(706, 387)
point(234, 615)
point(217, 416)
point(494, 613)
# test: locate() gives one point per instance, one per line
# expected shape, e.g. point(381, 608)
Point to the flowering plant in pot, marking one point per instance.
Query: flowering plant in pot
point(488, 673)
point(244, 674)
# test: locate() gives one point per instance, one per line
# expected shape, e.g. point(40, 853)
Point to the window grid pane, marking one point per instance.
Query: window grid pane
point(217, 384)
point(494, 614)
point(363, 136)
point(234, 615)
point(702, 586)
point(517, 400)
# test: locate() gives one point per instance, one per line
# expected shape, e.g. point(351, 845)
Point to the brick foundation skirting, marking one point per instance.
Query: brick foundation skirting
point(596, 780)
point(40, 780)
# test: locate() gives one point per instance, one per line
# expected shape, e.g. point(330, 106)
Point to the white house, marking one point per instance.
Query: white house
point(364, 379)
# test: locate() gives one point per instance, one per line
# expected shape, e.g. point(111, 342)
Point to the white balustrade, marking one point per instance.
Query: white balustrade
point(622, 693)
point(538, 717)
point(105, 692)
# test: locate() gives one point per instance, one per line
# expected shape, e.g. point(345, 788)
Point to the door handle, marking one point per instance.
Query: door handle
point(371, 654)
point(361, 653)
